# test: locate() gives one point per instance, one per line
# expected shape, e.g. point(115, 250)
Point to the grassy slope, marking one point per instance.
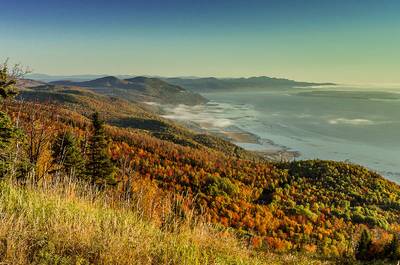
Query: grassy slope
point(57, 224)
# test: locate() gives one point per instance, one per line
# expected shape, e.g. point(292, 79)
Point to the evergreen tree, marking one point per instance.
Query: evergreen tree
point(363, 246)
point(99, 168)
point(9, 134)
point(7, 83)
point(66, 153)
point(7, 131)
point(7, 89)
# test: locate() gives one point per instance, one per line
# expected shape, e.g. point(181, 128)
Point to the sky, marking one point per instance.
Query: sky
point(345, 41)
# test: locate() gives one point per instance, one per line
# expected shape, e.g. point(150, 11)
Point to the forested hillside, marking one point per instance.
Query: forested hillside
point(127, 114)
point(319, 207)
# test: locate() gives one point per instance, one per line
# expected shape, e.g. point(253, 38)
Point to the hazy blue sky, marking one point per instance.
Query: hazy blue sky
point(315, 40)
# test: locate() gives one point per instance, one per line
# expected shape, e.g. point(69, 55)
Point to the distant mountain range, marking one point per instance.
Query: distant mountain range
point(199, 84)
point(76, 78)
point(253, 83)
point(139, 89)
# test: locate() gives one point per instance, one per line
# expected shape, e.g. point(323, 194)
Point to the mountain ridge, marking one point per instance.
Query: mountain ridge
point(190, 81)
point(257, 82)
point(139, 89)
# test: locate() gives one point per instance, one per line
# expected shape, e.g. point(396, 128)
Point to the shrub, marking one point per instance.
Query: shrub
point(218, 186)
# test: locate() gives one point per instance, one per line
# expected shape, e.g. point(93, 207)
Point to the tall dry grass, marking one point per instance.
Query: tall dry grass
point(70, 222)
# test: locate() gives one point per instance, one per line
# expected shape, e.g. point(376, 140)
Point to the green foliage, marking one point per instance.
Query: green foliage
point(364, 215)
point(7, 131)
point(99, 168)
point(306, 212)
point(364, 245)
point(218, 186)
point(67, 154)
point(8, 135)
point(355, 193)
point(12, 159)
point(46, 252)
point(7, 83)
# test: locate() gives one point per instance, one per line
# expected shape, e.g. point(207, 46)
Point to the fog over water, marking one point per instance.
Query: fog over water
point(340, 123)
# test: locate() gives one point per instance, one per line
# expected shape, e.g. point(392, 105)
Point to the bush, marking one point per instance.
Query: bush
point(218, 186)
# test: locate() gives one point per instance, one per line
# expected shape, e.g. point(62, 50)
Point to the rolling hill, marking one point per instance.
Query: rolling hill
point(139, 89)
point(127, 114)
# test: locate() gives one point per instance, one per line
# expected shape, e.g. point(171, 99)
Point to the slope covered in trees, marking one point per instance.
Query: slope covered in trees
point(123, 113)
point(308, 206)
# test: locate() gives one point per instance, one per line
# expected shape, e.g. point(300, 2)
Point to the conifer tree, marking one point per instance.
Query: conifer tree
point(363, 246)
point(100, 168)
point(8, 135)
point(7, 82)
point(8, 132)
point(66, 152)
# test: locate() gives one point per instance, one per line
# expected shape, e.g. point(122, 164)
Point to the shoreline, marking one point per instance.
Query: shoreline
point(264, 148)
point(221, 126)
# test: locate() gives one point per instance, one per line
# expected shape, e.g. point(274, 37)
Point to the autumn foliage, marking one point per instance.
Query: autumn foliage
point(312, 206)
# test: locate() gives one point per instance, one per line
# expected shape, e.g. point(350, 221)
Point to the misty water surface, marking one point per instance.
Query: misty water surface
point(341, 123)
